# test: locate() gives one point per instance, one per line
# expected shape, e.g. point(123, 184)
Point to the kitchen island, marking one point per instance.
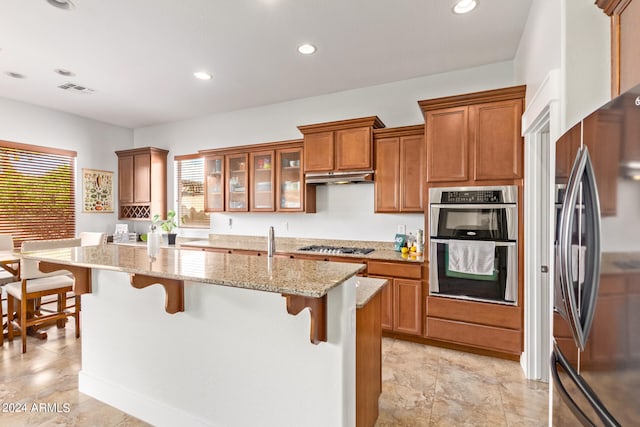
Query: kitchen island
point(201, 338)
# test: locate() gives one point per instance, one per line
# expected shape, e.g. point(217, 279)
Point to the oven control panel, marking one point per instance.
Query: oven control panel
point(486, 196)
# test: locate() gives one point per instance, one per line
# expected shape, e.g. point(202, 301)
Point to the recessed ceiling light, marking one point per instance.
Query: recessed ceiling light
point(62, 4)
point(202, 75)
point(306, 49)
point(464, 6)
point(64, 72)
point(15, 75)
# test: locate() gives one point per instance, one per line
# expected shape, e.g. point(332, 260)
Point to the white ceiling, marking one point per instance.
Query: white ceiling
point(139, 55)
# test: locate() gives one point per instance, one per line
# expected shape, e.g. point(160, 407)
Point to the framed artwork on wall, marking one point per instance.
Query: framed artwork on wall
point(97, 191)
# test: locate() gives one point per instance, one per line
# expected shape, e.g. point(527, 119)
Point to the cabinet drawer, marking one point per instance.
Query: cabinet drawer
point(392, 269)
point(489, 337)
point(475, 312)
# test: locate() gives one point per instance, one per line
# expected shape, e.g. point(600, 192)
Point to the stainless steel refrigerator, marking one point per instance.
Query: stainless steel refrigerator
point(595, 362)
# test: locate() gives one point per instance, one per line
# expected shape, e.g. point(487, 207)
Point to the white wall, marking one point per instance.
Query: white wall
point(343, 211)
point(573, 36)
point(585, 60)
point(95, 143)
point(539, 48)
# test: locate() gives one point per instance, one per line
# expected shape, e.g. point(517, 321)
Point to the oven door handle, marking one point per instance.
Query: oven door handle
point(469, 240)
point(473, 205)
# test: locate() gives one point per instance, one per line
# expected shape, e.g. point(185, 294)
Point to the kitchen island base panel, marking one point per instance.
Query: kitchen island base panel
point(234, 357)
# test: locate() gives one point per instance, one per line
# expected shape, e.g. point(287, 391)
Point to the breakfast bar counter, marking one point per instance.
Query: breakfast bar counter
point(203, 338)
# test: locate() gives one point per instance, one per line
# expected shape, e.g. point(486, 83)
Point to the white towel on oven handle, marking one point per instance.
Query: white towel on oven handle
point(472, 256)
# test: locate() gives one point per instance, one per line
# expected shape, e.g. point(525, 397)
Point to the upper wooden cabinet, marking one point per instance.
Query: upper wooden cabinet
point(291, 193)
point(319, 152)
point(214, 183)
point(447, 137)
point(475, 137)
point(625, 38)
point(498, 145)
point(262, 180)
point(399, 169)
point(257, 178)
point(142, 183)
point(344, 145)
point(237, 182)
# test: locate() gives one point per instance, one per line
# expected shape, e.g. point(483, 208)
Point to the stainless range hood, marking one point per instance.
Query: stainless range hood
point(339, 177)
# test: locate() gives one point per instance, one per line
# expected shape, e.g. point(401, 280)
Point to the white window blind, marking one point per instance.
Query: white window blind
point(37, 192)
point(190, 191)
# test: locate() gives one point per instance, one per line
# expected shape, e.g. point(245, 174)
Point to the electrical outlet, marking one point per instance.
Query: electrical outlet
point(230, 222)
point(285, 225)
point(402, 229)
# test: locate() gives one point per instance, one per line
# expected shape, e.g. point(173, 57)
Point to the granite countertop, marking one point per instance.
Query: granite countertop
point(367, 288)
point(276, 274)
point(620, 263)
point(383, 251)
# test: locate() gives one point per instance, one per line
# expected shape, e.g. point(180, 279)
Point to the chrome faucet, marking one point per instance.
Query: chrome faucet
point(271, 242)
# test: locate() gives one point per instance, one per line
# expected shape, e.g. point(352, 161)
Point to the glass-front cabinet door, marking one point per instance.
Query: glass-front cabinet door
point(214, 193)
point(262, 179)
point(237, 182)
point(290, 185)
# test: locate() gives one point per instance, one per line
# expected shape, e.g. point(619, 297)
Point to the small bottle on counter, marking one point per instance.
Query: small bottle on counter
point(153, 241)
point(420, 241)
point(410, 240)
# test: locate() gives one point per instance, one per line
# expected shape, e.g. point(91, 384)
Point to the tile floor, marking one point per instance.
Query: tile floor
point(422, 386)
point(432, 386)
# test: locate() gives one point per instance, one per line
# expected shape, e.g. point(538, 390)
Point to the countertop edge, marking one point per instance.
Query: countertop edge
point(367, 288)
point(213, 281)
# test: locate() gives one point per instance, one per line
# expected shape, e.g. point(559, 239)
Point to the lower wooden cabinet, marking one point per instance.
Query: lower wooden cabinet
point(488, 337)
point(401, 297)
point(407, 306)
point(489, 326)
point(402, 306)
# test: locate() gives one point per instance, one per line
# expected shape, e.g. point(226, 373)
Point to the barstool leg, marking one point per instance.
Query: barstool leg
point(10, 316)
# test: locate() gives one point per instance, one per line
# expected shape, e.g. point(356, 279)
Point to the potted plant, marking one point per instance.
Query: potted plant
point(167, 225)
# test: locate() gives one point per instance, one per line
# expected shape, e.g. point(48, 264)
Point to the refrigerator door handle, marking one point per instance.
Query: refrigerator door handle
point(558, 358)
point(580, 313)
point(593, 225)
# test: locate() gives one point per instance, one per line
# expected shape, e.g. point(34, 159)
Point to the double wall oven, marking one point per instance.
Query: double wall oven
point(473, 247)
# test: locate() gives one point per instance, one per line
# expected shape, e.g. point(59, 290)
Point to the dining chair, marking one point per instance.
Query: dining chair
point(33, 285)
point(6, 244)
point(92, 238)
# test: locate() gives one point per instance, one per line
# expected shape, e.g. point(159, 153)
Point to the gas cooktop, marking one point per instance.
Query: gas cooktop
point(336, 250)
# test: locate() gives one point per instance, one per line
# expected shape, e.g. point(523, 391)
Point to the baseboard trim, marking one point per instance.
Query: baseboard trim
point(135, 404)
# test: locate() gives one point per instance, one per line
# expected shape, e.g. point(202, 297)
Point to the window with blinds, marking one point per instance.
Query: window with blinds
point(37, 192)
point(190, 191)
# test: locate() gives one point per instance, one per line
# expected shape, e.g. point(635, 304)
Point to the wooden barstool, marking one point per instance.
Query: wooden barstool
point(33, 285)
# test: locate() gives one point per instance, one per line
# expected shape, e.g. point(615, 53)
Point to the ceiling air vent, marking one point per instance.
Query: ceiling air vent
point(72, 87)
